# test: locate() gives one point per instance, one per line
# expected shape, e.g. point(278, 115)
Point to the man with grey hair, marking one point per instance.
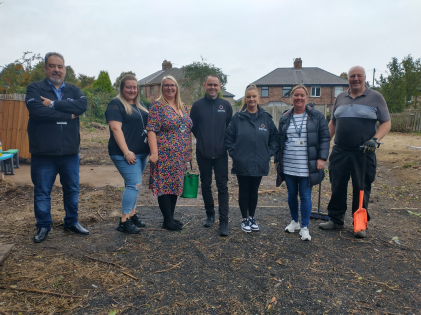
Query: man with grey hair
point(53, 131)
point(354, 125)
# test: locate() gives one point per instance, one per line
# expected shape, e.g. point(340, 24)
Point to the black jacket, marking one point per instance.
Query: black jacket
point(251, 143)
point(53, 131)
point(211, 118)
point(318, 143)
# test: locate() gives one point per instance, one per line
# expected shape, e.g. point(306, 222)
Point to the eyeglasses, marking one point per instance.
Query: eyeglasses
point(169, 86)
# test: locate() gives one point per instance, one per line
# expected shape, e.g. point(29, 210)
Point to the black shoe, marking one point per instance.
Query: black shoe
point(136, 221)
point(209, 221)
point(172, 226)
point(41, 235)
point(223, 229)
point(77, 228)
point(128, 227)
point(178, 222)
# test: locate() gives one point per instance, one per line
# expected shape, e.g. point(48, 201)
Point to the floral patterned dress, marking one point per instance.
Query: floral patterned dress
point(167, 174)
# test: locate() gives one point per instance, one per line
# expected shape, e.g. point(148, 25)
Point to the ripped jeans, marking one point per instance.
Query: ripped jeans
point(132, 175)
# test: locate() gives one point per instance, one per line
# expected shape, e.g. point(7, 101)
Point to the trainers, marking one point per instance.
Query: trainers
point(245, 226)
point(305, 234)
point(128, 227)
point(223, 229)
point(253, 224)
point(209, 221)
point(136, 221)
point(360, 234)
point(330, 225)
point(292, 227)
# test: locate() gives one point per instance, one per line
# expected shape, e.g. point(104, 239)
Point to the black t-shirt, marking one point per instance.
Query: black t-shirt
point(132, 127)
point(253, 116)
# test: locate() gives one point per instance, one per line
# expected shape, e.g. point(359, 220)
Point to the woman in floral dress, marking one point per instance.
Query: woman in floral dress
point(169, 138)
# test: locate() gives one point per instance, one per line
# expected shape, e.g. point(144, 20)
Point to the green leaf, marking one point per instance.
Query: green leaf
point(378, 291)
point(112, 312)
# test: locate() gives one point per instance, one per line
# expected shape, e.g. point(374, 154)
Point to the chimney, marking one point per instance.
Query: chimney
point(166, 65)
point(298, 64)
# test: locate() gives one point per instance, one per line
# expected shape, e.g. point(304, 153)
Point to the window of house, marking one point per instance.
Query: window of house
point(152, 90)
point(286, 91)
point(315, 91)
point(265, 91)
point(141, 90)
point(338, 90)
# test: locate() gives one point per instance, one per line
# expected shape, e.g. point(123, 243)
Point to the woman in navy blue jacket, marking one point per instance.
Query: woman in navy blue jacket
point(251, 140)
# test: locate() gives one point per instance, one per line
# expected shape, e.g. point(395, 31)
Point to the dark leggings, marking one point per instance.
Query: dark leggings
point(248, 194)
point(167, 205)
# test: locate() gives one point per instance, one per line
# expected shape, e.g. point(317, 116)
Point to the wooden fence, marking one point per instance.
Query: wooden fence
point(13, 122)
point(407, 121)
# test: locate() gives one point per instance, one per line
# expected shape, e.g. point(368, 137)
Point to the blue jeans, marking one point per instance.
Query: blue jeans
point(44, 170)
point(297, 184)
point(132, 175)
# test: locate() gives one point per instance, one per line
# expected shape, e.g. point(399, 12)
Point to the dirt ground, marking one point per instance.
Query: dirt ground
point(196, 271)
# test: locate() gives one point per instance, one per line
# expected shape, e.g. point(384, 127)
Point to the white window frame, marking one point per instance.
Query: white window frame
point(288, 88)
point(314, 91)
point(338, 90)
point(265, 88)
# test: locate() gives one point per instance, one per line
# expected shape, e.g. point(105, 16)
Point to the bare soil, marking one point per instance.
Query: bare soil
point(196, 271)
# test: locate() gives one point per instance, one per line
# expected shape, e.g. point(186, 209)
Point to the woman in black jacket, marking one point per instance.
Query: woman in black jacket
point(304, 142)
point(251, 139)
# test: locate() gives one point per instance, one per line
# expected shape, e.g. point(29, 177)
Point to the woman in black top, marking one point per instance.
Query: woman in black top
point(128, 147)
point(251, 139)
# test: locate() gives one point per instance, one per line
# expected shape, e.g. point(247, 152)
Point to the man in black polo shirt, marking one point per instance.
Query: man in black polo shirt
point(211, 115)
point(354, 124)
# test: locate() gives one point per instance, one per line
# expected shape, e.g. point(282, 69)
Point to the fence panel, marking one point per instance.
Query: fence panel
point(13, 122)
point(406, 121)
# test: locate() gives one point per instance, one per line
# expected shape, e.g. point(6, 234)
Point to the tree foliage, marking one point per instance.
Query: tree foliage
point(85, 80)
point(195, 74)
point(103, 82)
point(344, 75)
point(116, 84)
point(401, 88)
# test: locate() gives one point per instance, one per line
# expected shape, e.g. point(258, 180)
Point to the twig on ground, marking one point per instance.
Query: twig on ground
point(41, 292)
point(173, 267)
point(100, 216)
point(129, 275)
point(104, 261)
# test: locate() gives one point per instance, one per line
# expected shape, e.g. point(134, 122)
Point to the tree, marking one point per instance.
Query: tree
point(116, 84)
point(103, 82)
point(344, 75)
point(195, 74)
point(402, 87)
point(70, 76)
point(85, 81)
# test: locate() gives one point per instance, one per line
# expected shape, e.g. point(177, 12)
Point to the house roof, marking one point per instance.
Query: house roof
point(305, 76)
point(227, 94)
point(156, 77)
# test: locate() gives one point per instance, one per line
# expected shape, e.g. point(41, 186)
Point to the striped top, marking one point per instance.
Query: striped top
point(295, 157)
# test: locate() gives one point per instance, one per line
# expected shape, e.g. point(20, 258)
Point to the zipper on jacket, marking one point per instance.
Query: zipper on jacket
point(61, 129)
point(213, 130)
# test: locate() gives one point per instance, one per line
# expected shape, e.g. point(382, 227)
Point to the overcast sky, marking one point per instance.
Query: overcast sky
point(246, 39)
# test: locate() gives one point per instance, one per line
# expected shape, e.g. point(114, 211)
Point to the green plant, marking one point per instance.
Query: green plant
point(103, 82)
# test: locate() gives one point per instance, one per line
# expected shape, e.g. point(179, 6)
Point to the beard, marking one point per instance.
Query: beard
point(55, 81)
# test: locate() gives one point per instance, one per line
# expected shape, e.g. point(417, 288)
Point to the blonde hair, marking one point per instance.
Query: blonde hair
point(299, 86)
point(161, 97)
point(248, 88)
point(127, 106)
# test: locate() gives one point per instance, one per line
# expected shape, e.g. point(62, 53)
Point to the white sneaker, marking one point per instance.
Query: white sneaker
point(253, 224)
point(292, 227)
point(245, 226)
point(305, 234)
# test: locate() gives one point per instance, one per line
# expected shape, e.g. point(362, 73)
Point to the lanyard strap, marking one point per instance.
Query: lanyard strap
point(143, 124)
point(301, 127)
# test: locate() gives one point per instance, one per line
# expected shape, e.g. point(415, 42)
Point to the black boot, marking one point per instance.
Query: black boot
point(41, 235)
point(128, 227)
point(223, 228)
point(173, 203)
point(165, 206)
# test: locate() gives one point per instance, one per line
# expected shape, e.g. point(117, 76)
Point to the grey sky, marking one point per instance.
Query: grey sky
point(247, 39)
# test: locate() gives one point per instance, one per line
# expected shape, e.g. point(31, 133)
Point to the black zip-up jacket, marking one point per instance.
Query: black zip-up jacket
point(53, 131)
point(211, 118)
point(318, 143)
point(251, 143)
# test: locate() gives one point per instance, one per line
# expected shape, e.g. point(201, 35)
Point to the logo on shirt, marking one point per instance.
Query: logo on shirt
point(263, 127)
point(221, 109)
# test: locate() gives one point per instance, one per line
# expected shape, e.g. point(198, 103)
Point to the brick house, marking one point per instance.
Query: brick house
point(323, 86)
point(149, 86)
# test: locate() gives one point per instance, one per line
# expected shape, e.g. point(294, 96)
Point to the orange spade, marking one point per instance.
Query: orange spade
point(360, 216)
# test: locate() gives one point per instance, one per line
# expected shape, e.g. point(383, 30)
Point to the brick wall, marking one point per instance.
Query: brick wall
point(275, 94)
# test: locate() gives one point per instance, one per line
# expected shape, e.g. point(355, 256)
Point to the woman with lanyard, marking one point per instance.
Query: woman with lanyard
point(169, 135)
point(128, 147)
point(251, 140)
point(304, 142)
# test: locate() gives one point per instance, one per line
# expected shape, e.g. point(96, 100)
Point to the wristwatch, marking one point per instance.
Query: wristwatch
point(51, 104)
